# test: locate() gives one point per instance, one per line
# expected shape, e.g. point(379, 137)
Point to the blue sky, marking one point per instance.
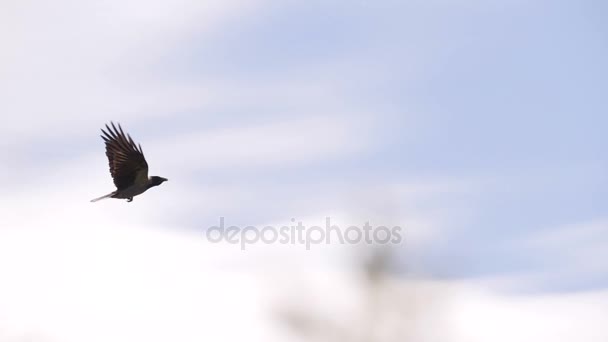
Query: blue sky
point(507, 93)
point(476, 125)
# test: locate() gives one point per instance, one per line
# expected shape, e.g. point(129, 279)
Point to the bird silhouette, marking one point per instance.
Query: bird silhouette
point(128, 165)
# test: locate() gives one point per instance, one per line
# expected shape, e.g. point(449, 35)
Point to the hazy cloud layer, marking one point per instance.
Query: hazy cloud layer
point(478, 126)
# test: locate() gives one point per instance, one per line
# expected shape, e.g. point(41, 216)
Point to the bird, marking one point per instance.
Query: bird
point(128, 165)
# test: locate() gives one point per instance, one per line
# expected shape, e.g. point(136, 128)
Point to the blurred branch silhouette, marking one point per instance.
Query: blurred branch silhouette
point(387, 311)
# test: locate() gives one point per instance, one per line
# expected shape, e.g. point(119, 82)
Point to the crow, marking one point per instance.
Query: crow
point(128, 165)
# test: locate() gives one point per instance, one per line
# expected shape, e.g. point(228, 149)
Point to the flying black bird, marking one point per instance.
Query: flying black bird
point(128, 166)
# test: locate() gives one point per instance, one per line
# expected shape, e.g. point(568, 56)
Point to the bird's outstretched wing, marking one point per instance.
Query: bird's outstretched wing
point(127, 163)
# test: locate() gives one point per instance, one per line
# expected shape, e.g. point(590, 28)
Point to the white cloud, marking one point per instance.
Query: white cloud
point(66, 63)
point(571, 252)
point(95, 277)
point(74, 271)
point(297, 141)
point(476, 315)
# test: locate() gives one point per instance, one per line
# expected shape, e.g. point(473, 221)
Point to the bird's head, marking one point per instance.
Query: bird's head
point(156, 180)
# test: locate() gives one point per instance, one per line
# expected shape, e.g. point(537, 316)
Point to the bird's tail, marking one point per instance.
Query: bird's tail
point(103, 197)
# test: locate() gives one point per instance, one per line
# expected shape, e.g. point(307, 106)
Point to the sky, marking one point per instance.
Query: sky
point(477, 126)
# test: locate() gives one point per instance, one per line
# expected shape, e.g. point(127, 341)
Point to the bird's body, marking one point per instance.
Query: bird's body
point(128, 165)
point(128, 193)
point(132, 191)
